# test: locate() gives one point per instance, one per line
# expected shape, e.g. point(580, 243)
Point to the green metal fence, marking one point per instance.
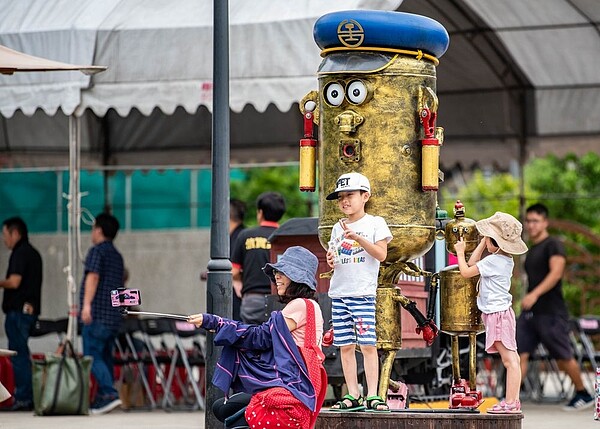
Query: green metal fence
point(140, 199)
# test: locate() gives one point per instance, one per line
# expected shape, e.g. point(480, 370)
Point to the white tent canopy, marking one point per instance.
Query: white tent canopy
point(555, 44)
point(159, 52)
point(515, 72)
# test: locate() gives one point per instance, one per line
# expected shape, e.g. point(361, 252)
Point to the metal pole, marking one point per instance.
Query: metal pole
point(526, 109)
point(74, 234)
point(219, 282)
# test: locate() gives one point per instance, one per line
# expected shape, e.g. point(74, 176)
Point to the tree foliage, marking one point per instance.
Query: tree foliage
point(569, 186)
point(250, 183)
point(484, 195)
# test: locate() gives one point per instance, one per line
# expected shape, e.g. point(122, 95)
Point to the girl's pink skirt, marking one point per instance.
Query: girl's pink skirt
point(500, 326)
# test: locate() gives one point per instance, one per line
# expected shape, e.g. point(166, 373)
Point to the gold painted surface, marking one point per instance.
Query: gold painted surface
point(380, 138)
point(461, 227)
point(472, 360)
point(388, 324)
point(385, 372)
point(388, 132)
point(431, 166)
point(455, 359)
point(311, 96)
point(308, 166)
point(458, 303)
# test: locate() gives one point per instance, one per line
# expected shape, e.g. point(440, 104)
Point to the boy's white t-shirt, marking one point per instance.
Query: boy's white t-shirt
point(357, 271)
point(494, 284)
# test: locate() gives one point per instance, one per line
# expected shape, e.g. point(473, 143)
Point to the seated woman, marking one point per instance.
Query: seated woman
point(278, 363)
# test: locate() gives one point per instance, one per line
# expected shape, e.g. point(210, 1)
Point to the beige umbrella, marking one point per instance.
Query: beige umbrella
point(14, 61)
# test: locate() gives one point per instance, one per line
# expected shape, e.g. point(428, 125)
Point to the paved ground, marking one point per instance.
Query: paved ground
point(536, 416)
point(551, 416)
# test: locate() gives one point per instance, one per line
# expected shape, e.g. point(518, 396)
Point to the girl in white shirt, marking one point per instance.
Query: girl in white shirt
point(502, 239)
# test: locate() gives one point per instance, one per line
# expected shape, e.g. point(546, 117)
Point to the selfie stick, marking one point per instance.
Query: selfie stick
point(148, 313)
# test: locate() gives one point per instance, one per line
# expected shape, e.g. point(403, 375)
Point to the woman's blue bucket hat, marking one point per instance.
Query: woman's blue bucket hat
point(298, 264)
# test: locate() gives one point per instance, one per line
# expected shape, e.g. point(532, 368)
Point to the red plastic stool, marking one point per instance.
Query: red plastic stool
point(7, 378)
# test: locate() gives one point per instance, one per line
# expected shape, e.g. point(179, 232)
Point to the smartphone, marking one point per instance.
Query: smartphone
point(125, 297)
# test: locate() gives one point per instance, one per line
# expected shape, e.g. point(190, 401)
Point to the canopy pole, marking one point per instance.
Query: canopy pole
point(73, 227)
point(105, 161)
point(219, 282)
point(527, 115)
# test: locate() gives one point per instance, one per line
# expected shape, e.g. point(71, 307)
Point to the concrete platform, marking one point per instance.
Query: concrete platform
point(418, 419)
point(535, 416)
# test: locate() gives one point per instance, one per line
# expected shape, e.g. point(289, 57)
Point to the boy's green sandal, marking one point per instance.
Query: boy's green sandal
point(356, 404)
point(376, 404)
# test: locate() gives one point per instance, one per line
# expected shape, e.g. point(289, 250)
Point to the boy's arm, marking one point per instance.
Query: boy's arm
point(335, 233)
point(378, 250)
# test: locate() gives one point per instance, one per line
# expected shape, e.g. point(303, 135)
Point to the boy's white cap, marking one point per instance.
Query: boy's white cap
point(350, 182)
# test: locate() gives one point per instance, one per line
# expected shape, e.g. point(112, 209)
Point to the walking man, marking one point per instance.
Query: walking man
point(545, 318)
point(103, 272)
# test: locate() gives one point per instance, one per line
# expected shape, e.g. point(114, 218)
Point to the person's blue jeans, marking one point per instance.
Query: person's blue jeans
point(17, 326)
point(98, 342)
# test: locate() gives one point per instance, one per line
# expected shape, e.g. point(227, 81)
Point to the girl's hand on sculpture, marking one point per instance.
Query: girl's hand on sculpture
point(459, 246)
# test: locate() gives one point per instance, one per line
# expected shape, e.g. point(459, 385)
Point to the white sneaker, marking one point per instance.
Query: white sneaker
point(580, 402)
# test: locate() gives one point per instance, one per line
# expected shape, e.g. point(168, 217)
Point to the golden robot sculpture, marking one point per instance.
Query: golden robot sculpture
point(459, 315)
point(376, 109)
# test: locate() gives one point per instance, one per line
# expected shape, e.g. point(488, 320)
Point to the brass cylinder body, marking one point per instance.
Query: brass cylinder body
point(461, 228)
point(380, 138)
point(308, 165)
point(458, 300)
point(388, 326)
point(431, 165)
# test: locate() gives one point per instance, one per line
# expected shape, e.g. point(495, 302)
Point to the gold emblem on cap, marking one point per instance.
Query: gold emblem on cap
point(350, 33)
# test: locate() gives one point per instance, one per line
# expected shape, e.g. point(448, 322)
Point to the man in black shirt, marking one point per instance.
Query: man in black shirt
point(250, 254)
point(21, 304)
point(545, 318)
point(237, 212)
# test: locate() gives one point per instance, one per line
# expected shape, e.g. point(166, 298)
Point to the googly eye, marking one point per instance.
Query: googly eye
point(356, 91)
point(334, 94)
point(310, 106)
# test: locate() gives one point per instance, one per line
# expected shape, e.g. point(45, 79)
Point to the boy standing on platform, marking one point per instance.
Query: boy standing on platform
point(358, 246)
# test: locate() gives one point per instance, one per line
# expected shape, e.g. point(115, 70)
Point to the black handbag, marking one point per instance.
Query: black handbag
point(61, 383)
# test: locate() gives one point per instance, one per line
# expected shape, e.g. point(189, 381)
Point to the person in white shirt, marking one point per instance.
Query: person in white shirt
point(358, 245)
point(501, 239)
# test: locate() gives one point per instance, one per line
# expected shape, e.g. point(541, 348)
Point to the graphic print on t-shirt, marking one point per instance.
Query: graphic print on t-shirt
point(349, 252)
point(257, 243)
